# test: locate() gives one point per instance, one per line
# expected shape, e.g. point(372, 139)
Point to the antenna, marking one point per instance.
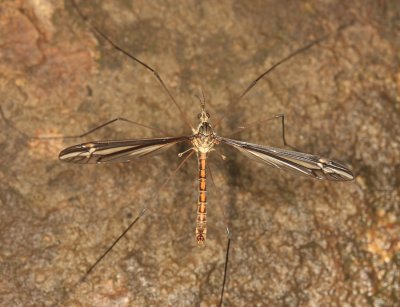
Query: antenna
point(202, 99)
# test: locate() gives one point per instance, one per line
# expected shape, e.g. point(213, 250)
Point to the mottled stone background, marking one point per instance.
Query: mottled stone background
point(295, 241)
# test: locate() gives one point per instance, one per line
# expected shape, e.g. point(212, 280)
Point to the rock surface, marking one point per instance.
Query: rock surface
point(294, 241)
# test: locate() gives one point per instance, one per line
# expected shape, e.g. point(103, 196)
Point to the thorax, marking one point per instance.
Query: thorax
point(204, 138)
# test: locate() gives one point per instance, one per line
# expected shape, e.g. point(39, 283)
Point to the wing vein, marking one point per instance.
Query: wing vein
point(117, 151)
point(292, 161)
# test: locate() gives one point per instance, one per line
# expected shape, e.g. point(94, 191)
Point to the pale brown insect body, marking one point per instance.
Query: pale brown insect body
point(203, 142)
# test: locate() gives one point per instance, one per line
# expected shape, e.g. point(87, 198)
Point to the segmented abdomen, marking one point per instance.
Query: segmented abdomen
point(201, 224)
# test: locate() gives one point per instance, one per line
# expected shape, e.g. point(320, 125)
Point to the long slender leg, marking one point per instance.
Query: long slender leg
point(115, 242)
point(251, 125)
point(142, 212)
point(156, 74)
point(228, 245)
point(106, 124)
point(6, 120)
point(283, 60)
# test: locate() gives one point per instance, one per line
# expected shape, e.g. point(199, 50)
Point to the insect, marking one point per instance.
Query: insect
point(202, 141)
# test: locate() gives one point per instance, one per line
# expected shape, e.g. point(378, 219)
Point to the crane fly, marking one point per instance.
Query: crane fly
point(202, 142)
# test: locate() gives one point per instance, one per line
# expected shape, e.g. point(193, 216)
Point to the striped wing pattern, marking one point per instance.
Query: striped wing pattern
point(117, 151)
point(295, 162)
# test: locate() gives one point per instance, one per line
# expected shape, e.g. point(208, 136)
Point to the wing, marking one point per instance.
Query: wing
point(117, 151)
point(295, 162)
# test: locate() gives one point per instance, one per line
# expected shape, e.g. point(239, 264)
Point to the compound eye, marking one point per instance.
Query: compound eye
point(208, 115)
point(199, 115)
